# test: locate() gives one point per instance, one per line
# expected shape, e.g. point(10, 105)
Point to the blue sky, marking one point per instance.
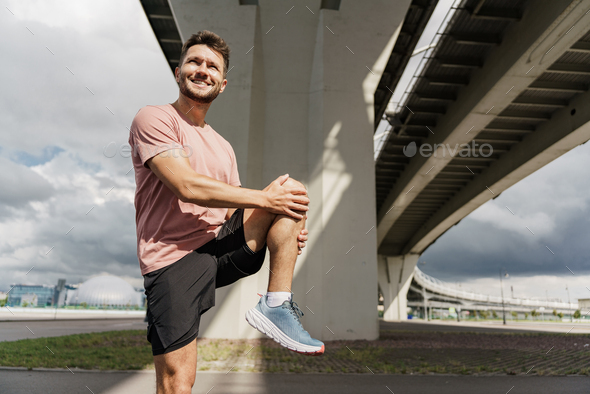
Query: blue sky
point(73, 77)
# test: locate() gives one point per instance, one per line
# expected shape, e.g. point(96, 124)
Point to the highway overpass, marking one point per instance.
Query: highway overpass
point(511, 76)
point(308, 85)
point(427, 293)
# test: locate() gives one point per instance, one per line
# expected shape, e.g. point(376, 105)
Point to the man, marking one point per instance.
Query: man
point(198, 230)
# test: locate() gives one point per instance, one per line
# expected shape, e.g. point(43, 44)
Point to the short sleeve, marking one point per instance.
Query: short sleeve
point(153, 131)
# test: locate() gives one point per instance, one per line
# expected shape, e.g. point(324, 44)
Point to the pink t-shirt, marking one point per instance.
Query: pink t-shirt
point(167, 228)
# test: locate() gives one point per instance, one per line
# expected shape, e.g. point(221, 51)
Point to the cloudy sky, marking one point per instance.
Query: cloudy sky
point(74, 73)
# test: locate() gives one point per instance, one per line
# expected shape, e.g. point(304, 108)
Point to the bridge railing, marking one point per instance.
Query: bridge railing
point(436, 286)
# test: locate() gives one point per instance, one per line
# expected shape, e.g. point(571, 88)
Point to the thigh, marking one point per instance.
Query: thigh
point(235, 258)
point(177, 295)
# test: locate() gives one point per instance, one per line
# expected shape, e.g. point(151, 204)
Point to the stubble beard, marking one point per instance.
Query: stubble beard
point(202, 98)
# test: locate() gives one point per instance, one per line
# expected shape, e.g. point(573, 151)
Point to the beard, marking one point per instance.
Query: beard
point(195, 94)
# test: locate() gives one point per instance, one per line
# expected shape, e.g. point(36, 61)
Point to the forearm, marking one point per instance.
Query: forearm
point(205, 191)
point(189, 186)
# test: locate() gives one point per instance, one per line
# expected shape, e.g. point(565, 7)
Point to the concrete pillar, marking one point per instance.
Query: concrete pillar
point(395, 276)
point(299, 100)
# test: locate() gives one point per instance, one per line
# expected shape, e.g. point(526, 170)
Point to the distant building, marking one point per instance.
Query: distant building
point(60, 293)
point(103, 291)
point(106, 292)
point(584, 304)
point(31, 295)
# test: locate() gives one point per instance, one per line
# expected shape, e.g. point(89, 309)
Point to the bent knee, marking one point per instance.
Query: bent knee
point(168, 383)
point(293, 183)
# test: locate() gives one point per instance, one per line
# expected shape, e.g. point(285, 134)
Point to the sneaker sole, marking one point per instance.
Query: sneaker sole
point(268, 328)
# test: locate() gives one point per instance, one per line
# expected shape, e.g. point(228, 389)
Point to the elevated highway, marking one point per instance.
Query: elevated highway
point(427, 292)
point(508, 78)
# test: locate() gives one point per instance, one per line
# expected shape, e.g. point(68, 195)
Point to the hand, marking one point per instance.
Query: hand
point(301, 239)
point(286, 200)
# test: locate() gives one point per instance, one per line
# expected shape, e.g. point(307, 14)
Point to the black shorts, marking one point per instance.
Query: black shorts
point(178, 294)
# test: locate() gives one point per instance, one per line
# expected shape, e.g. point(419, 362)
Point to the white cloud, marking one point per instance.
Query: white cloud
point(55, 130)
point(21, 185)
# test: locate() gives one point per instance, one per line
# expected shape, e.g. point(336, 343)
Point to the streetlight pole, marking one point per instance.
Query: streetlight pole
point(502, 291)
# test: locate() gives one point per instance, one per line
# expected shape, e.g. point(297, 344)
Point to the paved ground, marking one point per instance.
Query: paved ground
point(33, 382)
point(22, 381)
point(22, 314)
point(15, 330)
point(488, 326)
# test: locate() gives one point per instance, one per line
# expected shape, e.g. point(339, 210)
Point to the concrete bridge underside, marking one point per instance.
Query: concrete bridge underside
point(512, 75)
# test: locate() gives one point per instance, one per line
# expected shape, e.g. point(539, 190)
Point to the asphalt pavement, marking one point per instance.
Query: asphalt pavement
point(15, 330)
point(44, 382)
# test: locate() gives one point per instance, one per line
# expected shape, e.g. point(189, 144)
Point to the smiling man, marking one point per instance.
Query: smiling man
point(197, 229)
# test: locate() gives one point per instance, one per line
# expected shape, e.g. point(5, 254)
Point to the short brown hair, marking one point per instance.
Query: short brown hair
point(211, 40)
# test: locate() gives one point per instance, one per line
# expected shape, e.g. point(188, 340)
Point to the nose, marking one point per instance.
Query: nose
point(202, 69)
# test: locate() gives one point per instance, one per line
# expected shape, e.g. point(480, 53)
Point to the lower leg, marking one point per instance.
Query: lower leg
point(280, 232)
point(176, 371)
point(283, 247)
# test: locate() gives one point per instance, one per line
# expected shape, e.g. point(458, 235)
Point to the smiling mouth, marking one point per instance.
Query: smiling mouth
point(200, 83)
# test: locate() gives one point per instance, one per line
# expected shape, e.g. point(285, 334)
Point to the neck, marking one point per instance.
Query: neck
point(193, 110)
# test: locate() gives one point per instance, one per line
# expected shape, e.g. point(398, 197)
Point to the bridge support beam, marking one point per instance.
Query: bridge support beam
point(395, 276)
point(528, 49)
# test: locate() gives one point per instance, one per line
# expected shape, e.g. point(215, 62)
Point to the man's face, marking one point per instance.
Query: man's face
point(201, 74)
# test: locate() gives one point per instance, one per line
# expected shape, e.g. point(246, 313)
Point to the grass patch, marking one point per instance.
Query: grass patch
point(220, 349)
point(111, 350)
point(394, 353)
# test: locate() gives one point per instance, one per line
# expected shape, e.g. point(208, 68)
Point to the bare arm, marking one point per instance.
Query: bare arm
point(175, 172)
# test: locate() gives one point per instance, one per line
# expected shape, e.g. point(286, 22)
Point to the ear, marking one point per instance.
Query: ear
point(223, 85)
point(177, 74)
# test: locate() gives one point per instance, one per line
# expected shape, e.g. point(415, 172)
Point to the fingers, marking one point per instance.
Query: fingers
point(301, 200)
point(303, 235)
point(298, 191)
point(282, 179)
point(299, 207)
point(293, 214)
point(301, 239)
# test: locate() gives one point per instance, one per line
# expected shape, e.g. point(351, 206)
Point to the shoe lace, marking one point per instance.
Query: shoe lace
point(294, 309)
